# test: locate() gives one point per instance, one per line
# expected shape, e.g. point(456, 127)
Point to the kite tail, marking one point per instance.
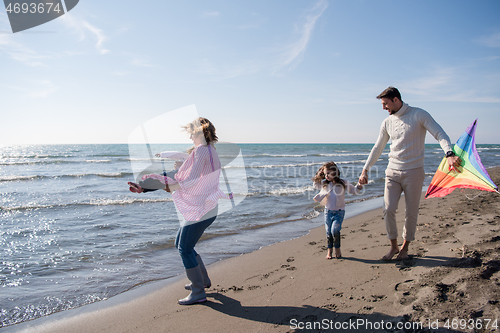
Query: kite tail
point(474, 197)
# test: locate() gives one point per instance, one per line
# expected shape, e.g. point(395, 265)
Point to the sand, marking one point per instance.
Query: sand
point(452, 275)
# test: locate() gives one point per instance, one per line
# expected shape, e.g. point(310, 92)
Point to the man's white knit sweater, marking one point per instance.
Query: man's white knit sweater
point(406, 129)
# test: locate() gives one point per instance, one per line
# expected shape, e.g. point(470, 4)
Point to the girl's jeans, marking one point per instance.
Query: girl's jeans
point(333, 224)
point(188, 236)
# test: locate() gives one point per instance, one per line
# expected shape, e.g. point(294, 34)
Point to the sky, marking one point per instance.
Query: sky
point(282, 71)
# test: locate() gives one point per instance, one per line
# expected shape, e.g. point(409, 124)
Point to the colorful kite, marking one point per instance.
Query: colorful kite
point(470, 174)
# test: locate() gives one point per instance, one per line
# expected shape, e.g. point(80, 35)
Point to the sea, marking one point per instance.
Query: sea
point(71, 233)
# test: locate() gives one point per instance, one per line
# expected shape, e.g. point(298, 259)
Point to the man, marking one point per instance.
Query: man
point(406, 127)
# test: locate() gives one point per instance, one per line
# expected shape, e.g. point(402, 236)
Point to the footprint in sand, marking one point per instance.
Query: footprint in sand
point(331, 307)
point(407, 264)
point(366, 310)
point(491, 267)
point(377, 298)
point(267, 275)
point(253, 287)
point(442, 291)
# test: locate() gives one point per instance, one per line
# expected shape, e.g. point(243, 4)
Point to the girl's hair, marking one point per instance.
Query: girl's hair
point(202, 125)
point(320, 178)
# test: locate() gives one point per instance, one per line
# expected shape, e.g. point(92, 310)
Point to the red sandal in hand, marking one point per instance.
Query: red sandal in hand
point(135, 188)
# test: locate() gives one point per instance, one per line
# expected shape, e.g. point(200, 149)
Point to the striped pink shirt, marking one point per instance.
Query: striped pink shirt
point(199, 182)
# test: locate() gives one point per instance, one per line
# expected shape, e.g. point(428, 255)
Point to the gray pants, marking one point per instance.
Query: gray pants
point(410, 183)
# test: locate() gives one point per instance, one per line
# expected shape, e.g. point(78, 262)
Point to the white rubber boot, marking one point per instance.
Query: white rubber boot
point(197, 294)
point(206, 280)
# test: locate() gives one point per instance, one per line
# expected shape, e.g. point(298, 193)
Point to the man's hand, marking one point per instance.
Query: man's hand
point(454, 162)
point(363, 179)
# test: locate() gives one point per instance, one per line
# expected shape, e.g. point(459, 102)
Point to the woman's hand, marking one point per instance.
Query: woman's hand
point(172, 187)
point(135, 188)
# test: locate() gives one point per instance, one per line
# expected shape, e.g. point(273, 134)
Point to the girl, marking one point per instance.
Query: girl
point(332, 196)
point(197, 192)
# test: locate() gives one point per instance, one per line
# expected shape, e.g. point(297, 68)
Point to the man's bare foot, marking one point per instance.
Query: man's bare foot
point(403, 255)
point(338, 254)
point(329, 254)
point(391, 254)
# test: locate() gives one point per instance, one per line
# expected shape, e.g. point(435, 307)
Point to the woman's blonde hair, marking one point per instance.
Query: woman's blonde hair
point(202, 125)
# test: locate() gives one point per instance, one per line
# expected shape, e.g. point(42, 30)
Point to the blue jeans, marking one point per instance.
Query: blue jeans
point(188, 236)
point(333, 224)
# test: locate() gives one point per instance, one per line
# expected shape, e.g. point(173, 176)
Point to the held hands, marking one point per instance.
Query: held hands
point(363, 179)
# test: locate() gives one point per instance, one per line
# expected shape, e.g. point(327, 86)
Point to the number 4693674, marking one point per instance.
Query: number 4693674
point(471, 324)
point(33, 8)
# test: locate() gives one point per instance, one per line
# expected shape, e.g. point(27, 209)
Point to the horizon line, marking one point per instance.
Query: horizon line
point(187, 143)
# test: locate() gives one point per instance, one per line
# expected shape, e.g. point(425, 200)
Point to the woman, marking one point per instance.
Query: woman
point(195, 194)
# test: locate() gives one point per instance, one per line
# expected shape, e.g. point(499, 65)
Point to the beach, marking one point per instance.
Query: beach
point(72, 233)
point(451, 280)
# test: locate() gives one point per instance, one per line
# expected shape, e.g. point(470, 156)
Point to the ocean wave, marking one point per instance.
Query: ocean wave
point(280, 190)
point(97, 161)
point(314, 155)
point(291, 190)
point(312, 214)
point(17, 178)
point(44, 162)
point(36, 162)
point(487, 148)
point(125, 201)
point(35, 156)
point(276, 155)
point(11, 178)
point(108, 155)
point(270, 166)
point(94, 202)
point(111, 174)
point(342, 154)
point(141, 159)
